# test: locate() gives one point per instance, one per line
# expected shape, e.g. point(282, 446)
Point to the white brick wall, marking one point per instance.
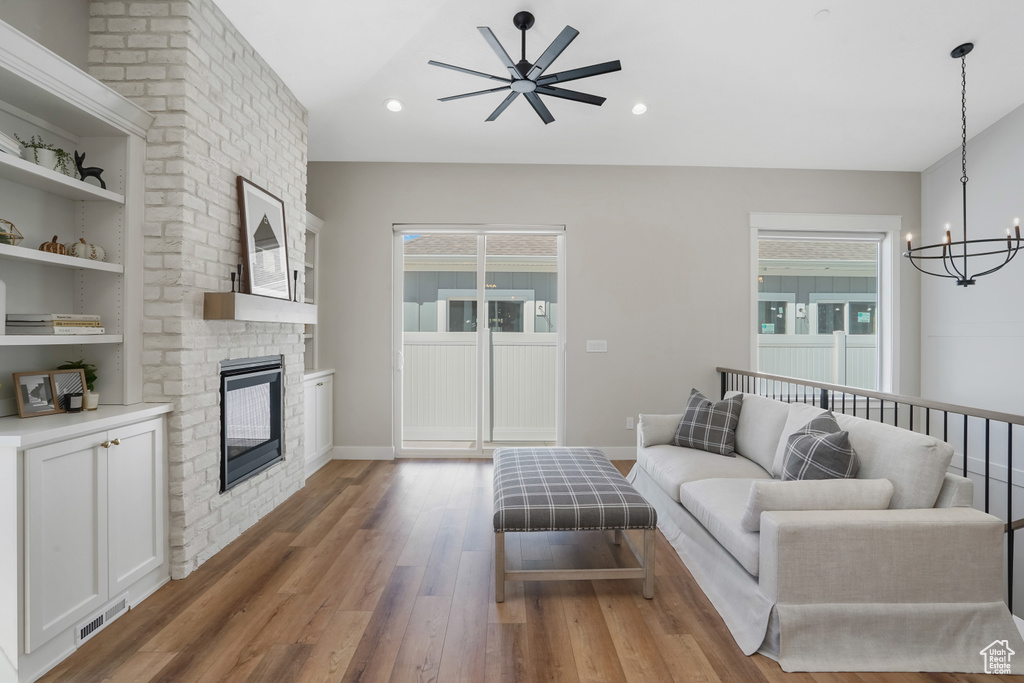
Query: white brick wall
point(220, 112)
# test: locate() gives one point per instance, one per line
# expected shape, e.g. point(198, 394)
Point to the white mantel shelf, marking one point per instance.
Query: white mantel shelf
point(251, 308)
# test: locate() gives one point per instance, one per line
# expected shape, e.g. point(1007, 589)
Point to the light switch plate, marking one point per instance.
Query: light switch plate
point(597, 346)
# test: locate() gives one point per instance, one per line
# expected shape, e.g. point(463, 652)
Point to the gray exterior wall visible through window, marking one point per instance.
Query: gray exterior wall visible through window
point(422, 287)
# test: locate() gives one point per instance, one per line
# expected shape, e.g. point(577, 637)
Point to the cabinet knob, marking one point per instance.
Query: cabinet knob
point(116, 442)
point(105, 444)
point(319, 384)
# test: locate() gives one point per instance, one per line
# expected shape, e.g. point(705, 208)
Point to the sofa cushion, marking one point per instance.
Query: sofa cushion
point(828, 494)
point(799, 415)
point(915, 463)
point(718, 504)
point(819, 450)
point(760, 428)
point(709, 426)
point(658, 429)
point(672, 466)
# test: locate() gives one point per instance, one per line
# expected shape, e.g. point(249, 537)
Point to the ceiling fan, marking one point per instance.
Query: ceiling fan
point(528, 79)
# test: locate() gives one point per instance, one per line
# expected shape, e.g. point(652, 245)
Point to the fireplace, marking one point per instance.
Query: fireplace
point(251, 418)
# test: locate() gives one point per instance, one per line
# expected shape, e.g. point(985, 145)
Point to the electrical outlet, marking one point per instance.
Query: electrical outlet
point(630, 424)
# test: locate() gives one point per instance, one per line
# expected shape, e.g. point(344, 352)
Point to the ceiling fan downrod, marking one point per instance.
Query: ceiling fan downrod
point(524, 22)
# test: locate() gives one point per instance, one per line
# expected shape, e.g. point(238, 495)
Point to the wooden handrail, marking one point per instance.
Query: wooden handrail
point(892, 398)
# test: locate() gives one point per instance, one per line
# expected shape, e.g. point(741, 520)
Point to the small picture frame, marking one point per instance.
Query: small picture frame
point(36, 394)
point(264, 242)
point(69, 386)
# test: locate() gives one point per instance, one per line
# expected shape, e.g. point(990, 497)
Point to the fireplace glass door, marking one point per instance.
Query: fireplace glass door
point(250, 418)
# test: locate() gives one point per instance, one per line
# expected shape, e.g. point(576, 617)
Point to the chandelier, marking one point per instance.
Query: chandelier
point(955, 257)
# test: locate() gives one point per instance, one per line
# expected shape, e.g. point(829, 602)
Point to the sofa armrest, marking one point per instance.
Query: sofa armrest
point(956, 492)
point(881, 556)
point(654, 430)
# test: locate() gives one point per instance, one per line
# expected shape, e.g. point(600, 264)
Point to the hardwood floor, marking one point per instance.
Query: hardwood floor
point(382, 571)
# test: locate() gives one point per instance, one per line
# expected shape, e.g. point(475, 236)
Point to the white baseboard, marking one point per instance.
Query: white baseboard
point(316, 463)
point(363, 453)
point(619, 452)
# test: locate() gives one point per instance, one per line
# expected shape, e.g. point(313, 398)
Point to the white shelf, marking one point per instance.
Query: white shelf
point(32, 175)
point(58, 339)
point(309, 265)
point(14, 253)
point(307, 336)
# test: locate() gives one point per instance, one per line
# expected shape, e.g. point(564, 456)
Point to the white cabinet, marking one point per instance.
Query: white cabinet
point(84, 529)
point(95, 519)
point(318, 391)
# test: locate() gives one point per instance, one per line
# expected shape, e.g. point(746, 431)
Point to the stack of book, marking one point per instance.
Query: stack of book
point(9, 145)
point(54, 323)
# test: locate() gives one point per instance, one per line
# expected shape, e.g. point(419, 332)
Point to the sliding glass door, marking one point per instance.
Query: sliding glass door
point(478, 329)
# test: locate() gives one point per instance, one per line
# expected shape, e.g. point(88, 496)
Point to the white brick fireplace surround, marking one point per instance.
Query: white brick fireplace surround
point(220, 112)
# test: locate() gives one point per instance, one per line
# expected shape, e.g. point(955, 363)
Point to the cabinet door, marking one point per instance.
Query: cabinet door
point(324, 415)
point(309, 401)
point(65, 535)
point(137, 495)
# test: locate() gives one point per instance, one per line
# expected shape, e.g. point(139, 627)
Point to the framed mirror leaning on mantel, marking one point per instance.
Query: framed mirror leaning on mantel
point(265, 241)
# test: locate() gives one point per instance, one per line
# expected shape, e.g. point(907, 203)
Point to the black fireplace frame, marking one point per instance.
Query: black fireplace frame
point(236, 374)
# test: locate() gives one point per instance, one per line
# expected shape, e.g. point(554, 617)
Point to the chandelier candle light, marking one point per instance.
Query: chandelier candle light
point(955, 255)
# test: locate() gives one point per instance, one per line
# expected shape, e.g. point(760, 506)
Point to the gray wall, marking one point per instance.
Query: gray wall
point(62, 26)
point(658, 264)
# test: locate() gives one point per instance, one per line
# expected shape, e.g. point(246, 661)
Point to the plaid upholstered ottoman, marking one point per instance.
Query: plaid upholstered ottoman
point(567, 489)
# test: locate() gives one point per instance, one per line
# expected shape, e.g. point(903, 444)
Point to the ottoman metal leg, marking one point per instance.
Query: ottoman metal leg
point(649, 537)
point(499, 567)
point(617, 537)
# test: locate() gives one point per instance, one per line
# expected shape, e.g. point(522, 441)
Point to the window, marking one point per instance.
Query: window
point(811, 289)
point(771, 317)
point(831, 318)
point(461, 316)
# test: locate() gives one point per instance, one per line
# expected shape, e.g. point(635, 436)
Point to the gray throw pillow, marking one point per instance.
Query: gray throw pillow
point(820, 450)
point(709, 426)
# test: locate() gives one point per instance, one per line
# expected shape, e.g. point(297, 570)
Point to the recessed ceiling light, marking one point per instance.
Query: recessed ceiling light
point(639, 108)
point(822, 15)
point(393, 104)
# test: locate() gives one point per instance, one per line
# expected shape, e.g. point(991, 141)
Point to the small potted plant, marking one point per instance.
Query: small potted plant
point(46, 155)
point(92, 397)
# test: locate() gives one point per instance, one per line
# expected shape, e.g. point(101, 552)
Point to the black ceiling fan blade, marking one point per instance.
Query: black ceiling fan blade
point(582, 72)
point(549, 55)
point(538, 106)
point(492, 40)
point(570, 95)
point(471, 94)
point(503, 106)
point(469, 71)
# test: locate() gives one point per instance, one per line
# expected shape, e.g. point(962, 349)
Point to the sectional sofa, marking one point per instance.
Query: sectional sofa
point(913, 585)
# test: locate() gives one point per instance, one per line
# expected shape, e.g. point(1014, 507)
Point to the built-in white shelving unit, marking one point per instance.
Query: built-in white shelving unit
point(311, 285)
point(43, 95)
point(84, 492)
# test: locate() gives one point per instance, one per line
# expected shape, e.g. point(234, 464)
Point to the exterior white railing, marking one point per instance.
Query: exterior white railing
point(439, 386)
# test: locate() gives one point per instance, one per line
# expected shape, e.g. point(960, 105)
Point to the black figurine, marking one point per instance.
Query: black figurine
point(84, 172)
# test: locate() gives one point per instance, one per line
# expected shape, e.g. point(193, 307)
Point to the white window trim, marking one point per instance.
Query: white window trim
point(809, 225)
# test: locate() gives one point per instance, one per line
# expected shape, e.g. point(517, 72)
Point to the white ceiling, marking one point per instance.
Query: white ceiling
point(751, 83)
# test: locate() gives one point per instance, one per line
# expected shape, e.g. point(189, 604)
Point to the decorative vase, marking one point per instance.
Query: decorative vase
point(46, 158)
point(92, 400)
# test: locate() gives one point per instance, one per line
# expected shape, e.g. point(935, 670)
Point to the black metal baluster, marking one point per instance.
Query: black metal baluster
point(986, 462)
point(911, 406)
point(965, 451)
point(895, 414)
point(928, 421)
point(881, 410)
point(1009, 514)
point(854, 404)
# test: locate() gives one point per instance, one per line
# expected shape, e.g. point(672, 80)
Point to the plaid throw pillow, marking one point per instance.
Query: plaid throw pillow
point(820, 450)
point(709, 426)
